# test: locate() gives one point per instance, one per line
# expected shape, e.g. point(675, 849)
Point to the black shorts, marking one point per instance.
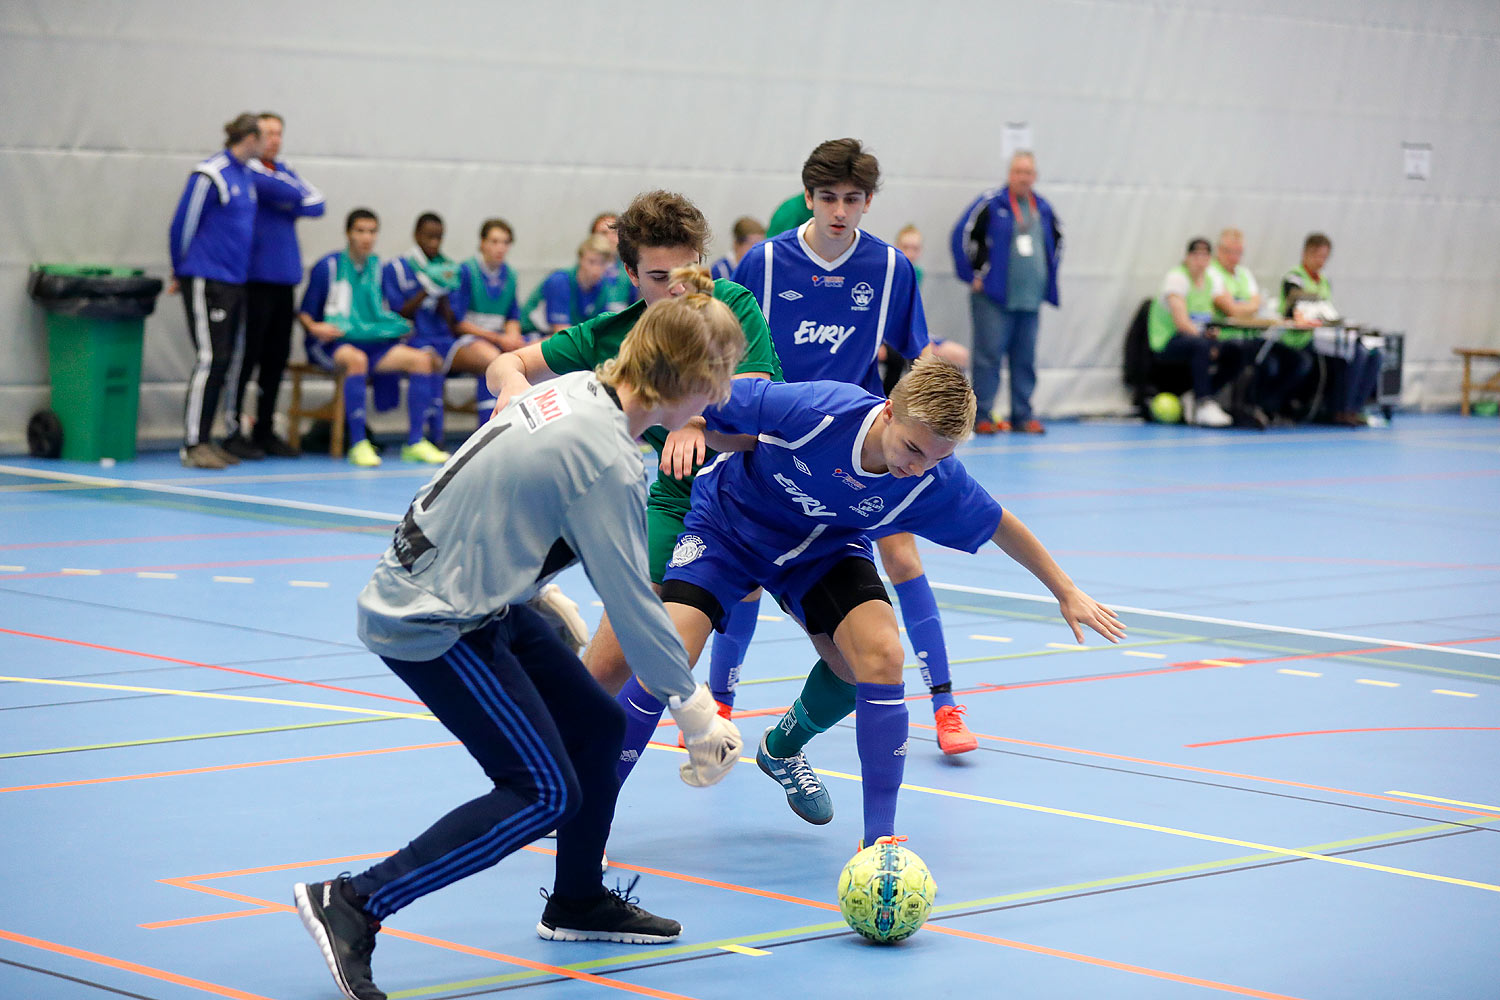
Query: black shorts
point(848, 584)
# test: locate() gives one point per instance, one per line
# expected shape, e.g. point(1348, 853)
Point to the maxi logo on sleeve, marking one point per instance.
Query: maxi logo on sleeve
point(818, 334)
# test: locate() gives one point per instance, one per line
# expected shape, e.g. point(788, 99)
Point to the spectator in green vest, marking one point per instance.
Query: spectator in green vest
point(1180, 328)
point(1285, 363)
point(1307, 294)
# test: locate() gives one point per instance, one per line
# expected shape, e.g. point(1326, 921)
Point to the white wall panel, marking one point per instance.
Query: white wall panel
point(1153, 122)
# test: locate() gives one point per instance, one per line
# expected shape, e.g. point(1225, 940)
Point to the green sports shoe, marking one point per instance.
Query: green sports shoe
point(363, 455)
point(804, 792)
point(423, 451)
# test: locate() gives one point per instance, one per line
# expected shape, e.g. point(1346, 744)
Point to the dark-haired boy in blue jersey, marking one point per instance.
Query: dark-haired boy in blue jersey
point(833, 467)
point(833, 296)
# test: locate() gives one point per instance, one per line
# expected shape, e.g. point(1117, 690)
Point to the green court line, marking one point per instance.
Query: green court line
point(183, 739)
point(1061, 890)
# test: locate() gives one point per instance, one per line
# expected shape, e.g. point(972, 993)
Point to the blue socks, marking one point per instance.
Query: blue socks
point(419, 390)
point(880, 728)
point(484, 400)
point(729, 650)
point(354, 407)
point(924, 628)
point(642, 713)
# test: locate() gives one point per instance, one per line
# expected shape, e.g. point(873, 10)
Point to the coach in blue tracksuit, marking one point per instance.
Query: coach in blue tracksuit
point(275, 271)
point(210, 239)
point(1006, 247)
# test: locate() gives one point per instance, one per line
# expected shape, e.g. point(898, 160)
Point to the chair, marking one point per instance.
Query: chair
point(1491, 384)
point(331, 411)
point(1145, 373)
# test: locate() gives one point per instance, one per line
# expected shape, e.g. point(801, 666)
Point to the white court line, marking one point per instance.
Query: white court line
point(188, 491)
point(148, 575)
point(1373, 683)
point(1143, 654)
point(12, 569)
point(769, 618)
point(1298, 673)
point(309, 583)
point(234, 579)
point(1285, 629)
point(67, 571)
point(991, 638)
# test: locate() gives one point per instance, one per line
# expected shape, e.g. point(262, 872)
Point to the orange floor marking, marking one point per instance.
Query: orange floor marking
point(124, 966)
point(1139, 970)
point(1210, 770)
point(226, 767)
point(206, 666)
point(185, 921)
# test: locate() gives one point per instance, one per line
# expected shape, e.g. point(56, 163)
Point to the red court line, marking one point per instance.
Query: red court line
point(1332, 732)
point(124, 966)
point(1360, 652)
point(158, 539)
point(225, 767)
point(1219, 773)
point(206, 666)
point(184, 567)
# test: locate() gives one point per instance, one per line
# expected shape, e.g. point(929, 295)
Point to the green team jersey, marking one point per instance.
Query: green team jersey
point(590, 344)
point(1200, 303)
point(788, 215)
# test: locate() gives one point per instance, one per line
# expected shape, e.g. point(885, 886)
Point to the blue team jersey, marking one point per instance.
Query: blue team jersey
point(399, 284)
point(802, 492)
point(829, 318)
point(722, 268)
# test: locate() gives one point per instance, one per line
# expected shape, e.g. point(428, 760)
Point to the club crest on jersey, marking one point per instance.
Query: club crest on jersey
point(828, 281)
point(790, 295)
point(689, 548)
point(863, 295)
point(801, 466)
point(848, 479)
point(811, 506)
point(868, 506)
point(819, 334)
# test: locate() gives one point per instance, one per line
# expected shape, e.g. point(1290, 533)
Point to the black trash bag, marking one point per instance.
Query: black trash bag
point(44, 435)
point(95, 296)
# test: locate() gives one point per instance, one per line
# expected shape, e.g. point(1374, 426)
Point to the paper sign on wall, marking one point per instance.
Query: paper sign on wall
point(1014, 137)
point(1418, 159)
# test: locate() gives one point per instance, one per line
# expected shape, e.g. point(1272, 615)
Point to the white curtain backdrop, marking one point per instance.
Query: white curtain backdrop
point(1152, 122)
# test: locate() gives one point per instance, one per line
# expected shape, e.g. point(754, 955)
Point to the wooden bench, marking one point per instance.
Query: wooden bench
point(333, 410)
point(1492, 384)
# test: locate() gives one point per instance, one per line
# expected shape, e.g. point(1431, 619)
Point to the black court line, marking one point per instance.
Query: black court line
point(955, 915)
point(75, 979)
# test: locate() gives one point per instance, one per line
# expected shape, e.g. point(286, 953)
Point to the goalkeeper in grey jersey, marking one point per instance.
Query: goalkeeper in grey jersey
point(554, 478)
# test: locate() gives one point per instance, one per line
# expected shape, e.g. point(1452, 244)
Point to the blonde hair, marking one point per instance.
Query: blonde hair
point(681, 347)
point(910, 227)
point(596, 243)
point(936, 395)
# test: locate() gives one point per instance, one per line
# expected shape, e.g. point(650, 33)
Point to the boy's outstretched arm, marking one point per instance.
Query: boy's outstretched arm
point(1078, 608)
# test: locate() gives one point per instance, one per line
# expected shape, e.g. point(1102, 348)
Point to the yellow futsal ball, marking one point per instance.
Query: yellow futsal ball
point(1166, 407)
point(886, 892)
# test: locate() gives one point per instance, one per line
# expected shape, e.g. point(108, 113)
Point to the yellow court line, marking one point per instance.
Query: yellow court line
point(1298, 673)
point(1221, 663)
point(1446, 802)
point(1290, 852)
point(1375, 683)
point(1456, 694)
point(219, 697)
point(740, 949)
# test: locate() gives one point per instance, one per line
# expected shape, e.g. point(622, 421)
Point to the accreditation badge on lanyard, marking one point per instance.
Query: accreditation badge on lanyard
point(1025, 246)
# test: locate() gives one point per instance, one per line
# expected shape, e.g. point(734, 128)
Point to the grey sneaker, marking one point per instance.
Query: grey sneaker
point(344, 932)
point(201, 456)
point(804, 792)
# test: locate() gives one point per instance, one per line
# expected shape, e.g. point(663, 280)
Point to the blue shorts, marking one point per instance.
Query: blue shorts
point(320, 352)
point(716, 561)
point(443, 347)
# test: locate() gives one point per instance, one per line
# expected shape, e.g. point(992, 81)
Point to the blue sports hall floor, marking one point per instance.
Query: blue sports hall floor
point(1285, 783)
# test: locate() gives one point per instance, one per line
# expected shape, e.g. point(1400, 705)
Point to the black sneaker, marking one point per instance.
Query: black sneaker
point(276, 447)
point(344, 932)
point(609, 916)
point(242, 447)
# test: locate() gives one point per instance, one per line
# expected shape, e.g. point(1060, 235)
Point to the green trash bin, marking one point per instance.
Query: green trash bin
point(96, 318)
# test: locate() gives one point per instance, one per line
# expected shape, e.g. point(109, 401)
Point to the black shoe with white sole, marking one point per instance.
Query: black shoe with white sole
point(609, 916)
point(344, 932)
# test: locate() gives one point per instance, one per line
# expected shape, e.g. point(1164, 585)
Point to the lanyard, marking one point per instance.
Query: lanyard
point(1015, 210)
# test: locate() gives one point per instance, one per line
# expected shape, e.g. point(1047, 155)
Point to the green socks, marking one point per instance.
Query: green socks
point(824, 702)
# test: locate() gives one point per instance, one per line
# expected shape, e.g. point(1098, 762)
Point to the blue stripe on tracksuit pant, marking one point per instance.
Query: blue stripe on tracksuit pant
point(544, 732)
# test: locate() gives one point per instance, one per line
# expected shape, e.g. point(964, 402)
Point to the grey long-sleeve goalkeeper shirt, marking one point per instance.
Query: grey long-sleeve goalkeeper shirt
point(555, 478)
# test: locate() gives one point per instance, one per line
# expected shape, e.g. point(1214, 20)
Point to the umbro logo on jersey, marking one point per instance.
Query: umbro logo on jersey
point(828, 280)
point(863, 295)
point(790, 295)
point(822, 333)
point(801, 466)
